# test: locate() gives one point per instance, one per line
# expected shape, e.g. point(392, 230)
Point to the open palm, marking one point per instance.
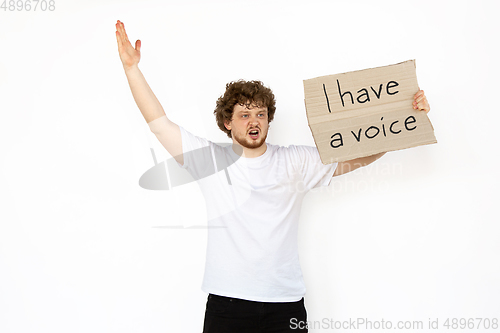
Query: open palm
point(129, 55)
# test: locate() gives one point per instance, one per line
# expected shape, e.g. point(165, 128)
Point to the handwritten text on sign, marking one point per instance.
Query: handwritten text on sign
point(365, 112)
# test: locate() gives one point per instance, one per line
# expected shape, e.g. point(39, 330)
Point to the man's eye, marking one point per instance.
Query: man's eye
point(244, 116)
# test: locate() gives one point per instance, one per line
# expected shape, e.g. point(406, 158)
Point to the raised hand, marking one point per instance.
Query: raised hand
point(129, 55)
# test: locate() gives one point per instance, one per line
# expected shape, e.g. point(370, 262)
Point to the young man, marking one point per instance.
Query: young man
point(252, 272)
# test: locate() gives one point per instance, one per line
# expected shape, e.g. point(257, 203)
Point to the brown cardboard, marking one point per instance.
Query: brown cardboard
point(379, 117)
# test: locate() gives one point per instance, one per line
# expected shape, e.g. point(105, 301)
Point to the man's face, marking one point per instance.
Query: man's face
point(249, 125)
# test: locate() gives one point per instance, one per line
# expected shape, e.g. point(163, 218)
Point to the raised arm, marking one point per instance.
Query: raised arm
point(167, 132)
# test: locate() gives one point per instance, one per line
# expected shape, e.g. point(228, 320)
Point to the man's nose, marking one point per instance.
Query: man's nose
point(254, 120)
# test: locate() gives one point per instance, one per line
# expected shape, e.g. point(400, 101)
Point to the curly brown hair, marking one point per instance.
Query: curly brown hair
point(243, 92)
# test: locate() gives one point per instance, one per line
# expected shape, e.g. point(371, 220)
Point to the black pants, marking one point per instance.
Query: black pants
point(234, 315)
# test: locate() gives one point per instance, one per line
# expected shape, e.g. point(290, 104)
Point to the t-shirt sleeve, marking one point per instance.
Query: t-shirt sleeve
point(197, 154)
point(307, 163)
point(189, 141)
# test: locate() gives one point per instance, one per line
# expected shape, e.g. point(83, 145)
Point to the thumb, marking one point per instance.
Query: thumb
point(138, 45)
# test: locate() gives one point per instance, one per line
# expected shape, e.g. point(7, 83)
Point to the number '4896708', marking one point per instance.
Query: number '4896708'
point(28, 5)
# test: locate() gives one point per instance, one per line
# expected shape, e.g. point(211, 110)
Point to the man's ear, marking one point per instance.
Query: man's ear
point(227, 125)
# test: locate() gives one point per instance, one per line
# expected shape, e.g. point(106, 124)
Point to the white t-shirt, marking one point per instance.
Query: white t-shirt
point(253, 207)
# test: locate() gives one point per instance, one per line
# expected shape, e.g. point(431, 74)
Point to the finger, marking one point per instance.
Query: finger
point(119, 27)
point(418, 94)
point(118, 39)
point(424, 106)
point(123, 33)
point(138, 45)
point(420, 98)
point(415, 105)
point(119, 33)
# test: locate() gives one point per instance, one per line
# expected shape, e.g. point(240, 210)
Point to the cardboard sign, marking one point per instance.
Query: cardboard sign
point(366, 112)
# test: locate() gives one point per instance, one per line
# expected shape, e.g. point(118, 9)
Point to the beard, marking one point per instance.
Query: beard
point(250, 143)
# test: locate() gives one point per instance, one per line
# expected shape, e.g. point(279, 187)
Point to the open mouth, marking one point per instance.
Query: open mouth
point(254, 134)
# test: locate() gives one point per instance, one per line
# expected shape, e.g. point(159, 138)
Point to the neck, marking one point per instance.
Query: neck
point(249, 152)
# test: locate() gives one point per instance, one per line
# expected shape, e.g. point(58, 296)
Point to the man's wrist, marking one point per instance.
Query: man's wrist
point(131, 69)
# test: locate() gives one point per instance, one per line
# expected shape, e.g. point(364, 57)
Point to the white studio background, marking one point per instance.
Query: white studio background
point(83, 247)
